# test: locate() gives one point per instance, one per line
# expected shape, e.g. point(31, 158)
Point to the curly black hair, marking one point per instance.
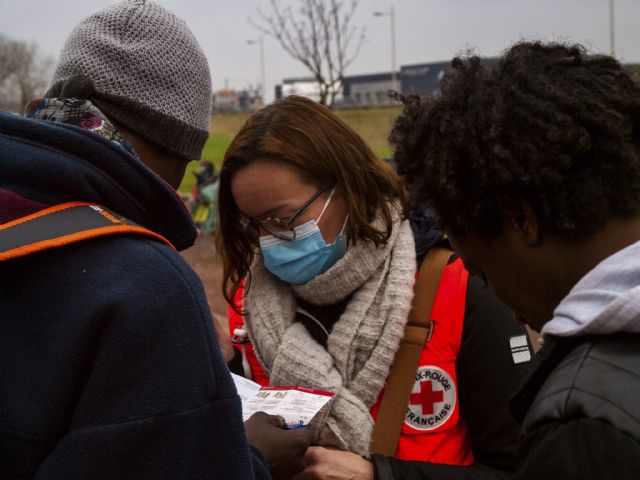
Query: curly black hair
point(546, 124)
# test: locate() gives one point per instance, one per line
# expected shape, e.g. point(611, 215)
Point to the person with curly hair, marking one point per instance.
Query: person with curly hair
point(532, 165)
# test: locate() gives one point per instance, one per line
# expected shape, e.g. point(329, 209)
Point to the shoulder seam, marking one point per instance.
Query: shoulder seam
point(584, 356)
point(604, 399)
point(615, 365)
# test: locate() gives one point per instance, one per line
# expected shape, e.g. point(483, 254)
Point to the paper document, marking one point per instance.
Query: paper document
point(298, 405)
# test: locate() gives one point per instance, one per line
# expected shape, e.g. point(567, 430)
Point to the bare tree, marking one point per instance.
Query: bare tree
point(320, 36)
point(8, 64)
point(24, 72)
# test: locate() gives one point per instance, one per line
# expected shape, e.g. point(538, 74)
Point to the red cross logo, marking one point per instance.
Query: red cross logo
point(426, 397)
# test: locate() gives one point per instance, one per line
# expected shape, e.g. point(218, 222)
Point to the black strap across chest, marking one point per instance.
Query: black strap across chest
point(62, 225)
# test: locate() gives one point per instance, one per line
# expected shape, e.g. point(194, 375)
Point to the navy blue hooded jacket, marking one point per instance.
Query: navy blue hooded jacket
point(109, 365)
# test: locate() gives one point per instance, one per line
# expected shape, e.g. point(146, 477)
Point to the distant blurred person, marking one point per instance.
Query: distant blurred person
point(206, 174)
point(205, 197)
point(533, 168)
point(110, 367)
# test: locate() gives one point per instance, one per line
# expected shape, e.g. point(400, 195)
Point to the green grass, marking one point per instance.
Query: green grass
point(372, 124)
point(229, 123)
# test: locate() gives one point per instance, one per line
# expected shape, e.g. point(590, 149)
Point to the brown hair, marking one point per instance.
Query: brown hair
point(324, 150)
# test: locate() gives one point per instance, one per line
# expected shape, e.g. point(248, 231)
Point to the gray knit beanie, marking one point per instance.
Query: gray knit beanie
point(144, 69)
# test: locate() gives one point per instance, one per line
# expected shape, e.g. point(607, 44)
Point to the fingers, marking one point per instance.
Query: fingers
point(325, 463)
point(277, 420)
point(314, 472)
point(314, 464)
point(259, 416)
point(283, 449)
point(314, 455)
point(263, 417)
point(303, 438)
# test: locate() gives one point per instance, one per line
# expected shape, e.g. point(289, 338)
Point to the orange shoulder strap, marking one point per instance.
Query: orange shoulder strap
point(393, 407)
point(62, 225)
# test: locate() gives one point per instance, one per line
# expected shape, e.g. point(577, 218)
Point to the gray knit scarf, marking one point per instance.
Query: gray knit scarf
point(362, 343)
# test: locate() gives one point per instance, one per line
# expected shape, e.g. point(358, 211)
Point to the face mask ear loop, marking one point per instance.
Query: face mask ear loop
point(326, 204)
point(344, 225)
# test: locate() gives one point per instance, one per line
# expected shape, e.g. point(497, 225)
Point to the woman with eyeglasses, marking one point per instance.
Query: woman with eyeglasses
point(316, 224)
point(319, 266)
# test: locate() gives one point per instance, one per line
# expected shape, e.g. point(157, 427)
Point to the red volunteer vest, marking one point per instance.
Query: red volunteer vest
point(433, 430)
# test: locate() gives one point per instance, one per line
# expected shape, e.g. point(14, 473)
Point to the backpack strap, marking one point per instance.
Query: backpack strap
point(393, 407)
point(62, 225)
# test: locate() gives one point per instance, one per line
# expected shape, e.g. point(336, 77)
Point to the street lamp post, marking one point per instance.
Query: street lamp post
point(263, 89)
point(612, 37)
point(392, 16)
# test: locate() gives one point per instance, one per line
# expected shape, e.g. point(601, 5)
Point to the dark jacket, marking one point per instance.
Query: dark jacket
point(109, 365)
point(580, 414)
point(580, 410)
point(578, 405)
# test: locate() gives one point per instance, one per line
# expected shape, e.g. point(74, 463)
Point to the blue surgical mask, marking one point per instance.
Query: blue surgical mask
point(301, 260)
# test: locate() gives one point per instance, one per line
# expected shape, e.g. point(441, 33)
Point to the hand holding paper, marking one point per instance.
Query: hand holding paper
point(283, 450)
point(297, 405)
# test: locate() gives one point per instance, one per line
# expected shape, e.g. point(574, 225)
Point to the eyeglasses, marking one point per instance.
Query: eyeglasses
point(278, 227)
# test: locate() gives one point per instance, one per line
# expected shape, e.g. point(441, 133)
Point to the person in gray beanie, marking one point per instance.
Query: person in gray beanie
point(143, 68)
point(110, 363)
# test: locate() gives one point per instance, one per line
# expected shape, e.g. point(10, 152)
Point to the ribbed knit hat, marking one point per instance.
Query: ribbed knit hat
point(144, 69)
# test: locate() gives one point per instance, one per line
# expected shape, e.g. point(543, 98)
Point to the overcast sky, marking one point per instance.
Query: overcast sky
point(426, 30)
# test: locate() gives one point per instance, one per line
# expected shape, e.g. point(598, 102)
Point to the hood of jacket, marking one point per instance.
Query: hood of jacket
point(44, 163)
point(426, 232)
point(605, 301)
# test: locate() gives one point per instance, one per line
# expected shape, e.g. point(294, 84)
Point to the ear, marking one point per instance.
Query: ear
point(523, 221)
